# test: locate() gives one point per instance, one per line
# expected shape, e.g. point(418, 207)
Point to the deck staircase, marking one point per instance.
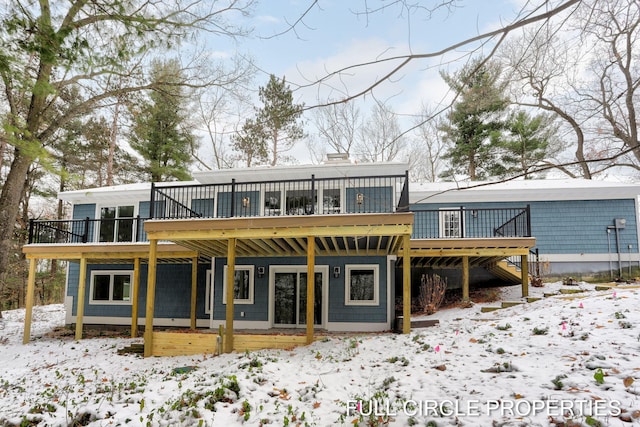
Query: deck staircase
point(505, 270)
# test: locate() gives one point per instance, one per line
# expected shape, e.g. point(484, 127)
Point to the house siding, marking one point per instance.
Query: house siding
point(337, 310)
point(173, 291)
point(567, 227)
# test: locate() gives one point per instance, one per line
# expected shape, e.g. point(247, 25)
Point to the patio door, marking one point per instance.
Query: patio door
point(289, 286)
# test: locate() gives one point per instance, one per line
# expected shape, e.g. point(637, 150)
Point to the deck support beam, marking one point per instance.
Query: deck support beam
point(151, 296)
point(82, 285)
point(524, 269)
point(135, 294)
point(311, 281)
point(465, 278)
point(406, 284)
point(31, 287)
point(194, 288)
point(231, 272)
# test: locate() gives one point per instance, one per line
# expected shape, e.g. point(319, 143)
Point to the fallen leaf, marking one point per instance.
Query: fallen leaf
point(316, 405)
point(628, 381)
point(473, 340)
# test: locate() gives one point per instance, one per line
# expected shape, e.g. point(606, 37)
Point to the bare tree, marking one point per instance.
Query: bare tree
point(380, 138)
point(338, 126)
point(52, 47)
point(428, 148)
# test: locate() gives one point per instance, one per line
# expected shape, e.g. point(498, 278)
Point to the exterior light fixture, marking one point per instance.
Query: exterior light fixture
point(246, 201)
point(336, 272)
point(359, 198)
point(260, 271)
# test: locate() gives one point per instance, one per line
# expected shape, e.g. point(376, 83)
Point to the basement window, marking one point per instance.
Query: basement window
point(362, 285)
point(111, 287)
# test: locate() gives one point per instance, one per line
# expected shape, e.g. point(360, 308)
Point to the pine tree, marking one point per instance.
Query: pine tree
point(276, 127)
point(159, 134)
point(474, 119)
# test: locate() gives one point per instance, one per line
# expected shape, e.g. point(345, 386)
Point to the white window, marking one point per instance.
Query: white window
point(362, 285)
point(450, 223)
point(116, 224)
point(242, 285)
point(111, 287)
point(331, 200)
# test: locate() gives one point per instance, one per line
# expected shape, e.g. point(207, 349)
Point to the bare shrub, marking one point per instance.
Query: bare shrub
point(432, 289)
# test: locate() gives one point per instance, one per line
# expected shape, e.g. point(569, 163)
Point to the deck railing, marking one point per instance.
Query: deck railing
point(312, 196)
point(464, 222)
point(87, 230)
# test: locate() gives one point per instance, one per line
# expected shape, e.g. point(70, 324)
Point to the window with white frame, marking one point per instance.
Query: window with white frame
point(111, 287)
point(243, 283)
point(362, 285)
point(450, 223)
point(331, 200)
point(116, 224)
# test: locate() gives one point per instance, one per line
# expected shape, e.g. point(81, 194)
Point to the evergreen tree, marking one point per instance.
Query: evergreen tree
point(474, 119)
point(159, 134)
point(525, 144)
point(276, 127)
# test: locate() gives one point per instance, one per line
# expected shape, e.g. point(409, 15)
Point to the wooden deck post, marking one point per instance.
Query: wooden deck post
point(524, 269)
point(151, 296)
point(406, 284)
point(465, 278)
point(134, 297)
point(82, 285)
point(311, 281)
point(31, 286)
point(194, 288)
point(231, 272)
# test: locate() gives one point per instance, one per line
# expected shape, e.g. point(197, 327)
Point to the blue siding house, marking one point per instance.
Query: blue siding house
point(331, 247)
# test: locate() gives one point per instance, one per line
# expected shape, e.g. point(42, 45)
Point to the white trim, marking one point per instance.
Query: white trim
point(376, 284)
point(357, 327)
point(213, 291)
point(391, 304)
point(635, 256)
point(208, 301)
point(324, 269)
point(68, 310)
point(111, 274)
point(124, 321)
point(252, 284)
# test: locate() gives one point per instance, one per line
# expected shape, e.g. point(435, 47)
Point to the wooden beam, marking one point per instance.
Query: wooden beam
point(136, 293)
point(82, 284)
point(194, 289)
point(465, 278)
point(231, 270)
point(151, 296)
point(524, 269)
point(406, 284)
point(473, 252)
point(311, 281)
point(31, 287)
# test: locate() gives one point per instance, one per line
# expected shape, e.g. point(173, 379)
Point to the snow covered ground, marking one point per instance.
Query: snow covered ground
point(554, 362)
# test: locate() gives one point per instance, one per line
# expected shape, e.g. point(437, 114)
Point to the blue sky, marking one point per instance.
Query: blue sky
point(332, 35)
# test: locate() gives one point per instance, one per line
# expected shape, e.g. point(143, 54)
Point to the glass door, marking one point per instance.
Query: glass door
point(290, 299)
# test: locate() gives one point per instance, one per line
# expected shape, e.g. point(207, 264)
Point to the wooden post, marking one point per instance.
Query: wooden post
point(31, 286)
point(151, 296)
point(524, 269)
point(134, 297)
point(465, 278)
point(406, 284)
point(231, 271)
point(311, 281)
point(82, 284)
point(194, 288)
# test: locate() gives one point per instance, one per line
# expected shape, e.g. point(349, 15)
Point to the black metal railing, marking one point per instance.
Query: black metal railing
point(87, 230)
point(312, 196)
point(464, 222)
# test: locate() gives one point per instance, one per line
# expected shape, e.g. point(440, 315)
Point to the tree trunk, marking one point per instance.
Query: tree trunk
point(10, 202)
